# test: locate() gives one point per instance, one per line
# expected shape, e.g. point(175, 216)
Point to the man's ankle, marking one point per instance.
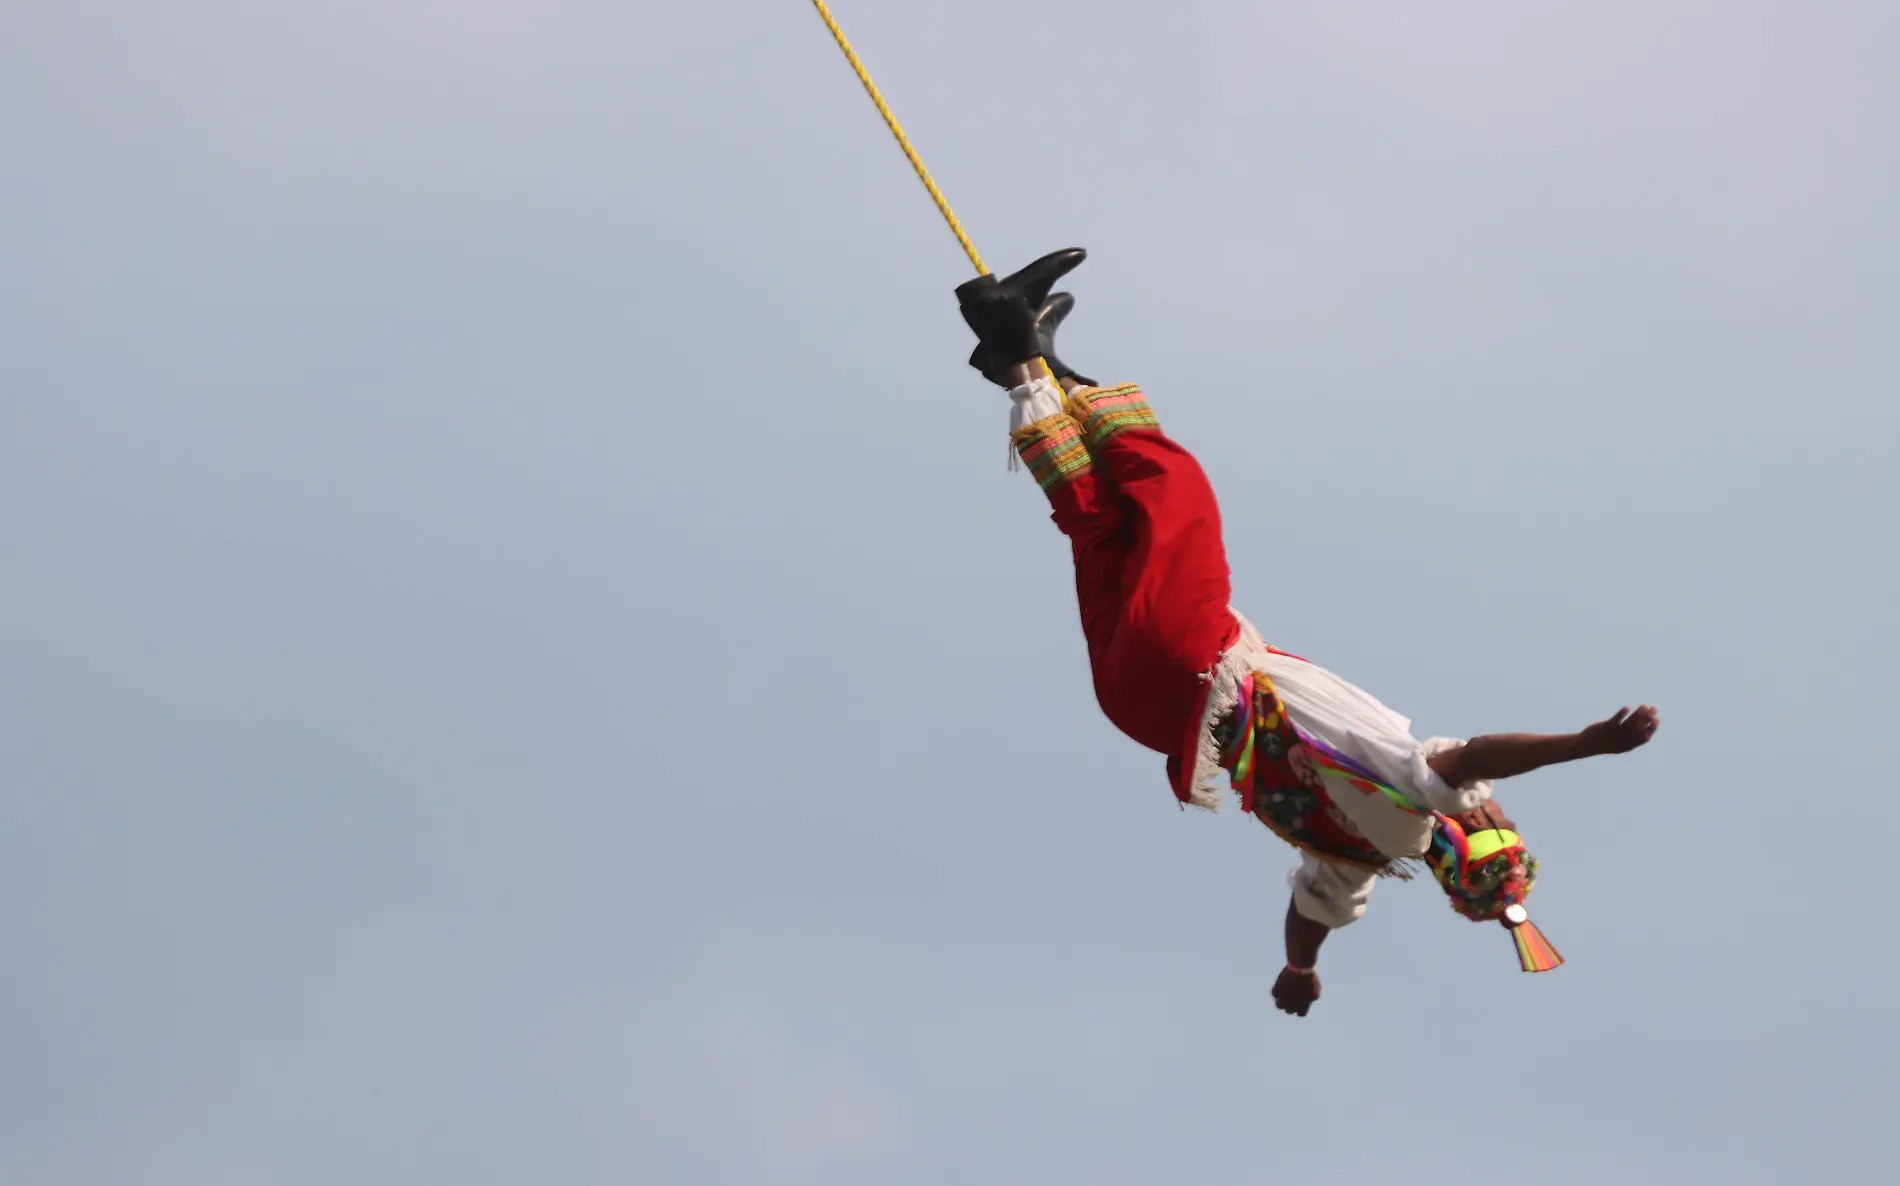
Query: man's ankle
point(1018, 375)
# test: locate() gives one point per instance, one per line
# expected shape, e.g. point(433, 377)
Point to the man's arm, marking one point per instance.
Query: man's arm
point(1298, 986)
point(1507, 755)
point(1303, 938)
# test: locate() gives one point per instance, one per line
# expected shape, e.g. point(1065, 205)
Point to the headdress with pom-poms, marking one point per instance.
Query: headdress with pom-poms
point(1487, 876)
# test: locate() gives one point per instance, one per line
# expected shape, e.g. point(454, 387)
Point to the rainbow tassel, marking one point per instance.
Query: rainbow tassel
point(1534, 951)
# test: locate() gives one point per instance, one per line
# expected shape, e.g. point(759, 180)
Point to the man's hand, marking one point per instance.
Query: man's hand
point(1621, 733)
point(1295, 992)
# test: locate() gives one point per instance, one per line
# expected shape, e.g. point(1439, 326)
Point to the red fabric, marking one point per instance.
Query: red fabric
point(1151, 580)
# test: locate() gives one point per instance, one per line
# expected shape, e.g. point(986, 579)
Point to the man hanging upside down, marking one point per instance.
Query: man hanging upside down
point(1320, 762)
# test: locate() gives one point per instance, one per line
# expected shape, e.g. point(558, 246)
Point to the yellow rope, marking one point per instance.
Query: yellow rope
point(903, 141)
point(916, 162)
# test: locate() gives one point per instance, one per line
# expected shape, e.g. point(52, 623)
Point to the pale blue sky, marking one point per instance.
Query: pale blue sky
point(521, 662)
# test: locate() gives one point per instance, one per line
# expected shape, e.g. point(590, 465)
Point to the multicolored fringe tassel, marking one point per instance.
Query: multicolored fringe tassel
point(1052, 448)
point(1337, 772)
point(1108, 412)
point(1534, 952)
point(1242, 768)
point(1450, 852)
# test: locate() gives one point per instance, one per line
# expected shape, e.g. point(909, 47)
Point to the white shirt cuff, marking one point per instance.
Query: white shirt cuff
point(1439, 794)
point(1329, 894)
point(1035, 400)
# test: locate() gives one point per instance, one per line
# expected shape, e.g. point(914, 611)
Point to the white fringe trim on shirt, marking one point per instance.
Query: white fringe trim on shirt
point(1237, 662)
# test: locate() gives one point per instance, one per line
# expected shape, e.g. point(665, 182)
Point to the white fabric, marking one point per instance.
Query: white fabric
point(1220, 695)
point(1352, 721)
point(1355, 723)
point(1332, 895)
point(1035, 400)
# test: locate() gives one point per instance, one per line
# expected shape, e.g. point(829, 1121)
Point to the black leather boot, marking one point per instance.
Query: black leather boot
point(1031, 283)
point(1048, 319)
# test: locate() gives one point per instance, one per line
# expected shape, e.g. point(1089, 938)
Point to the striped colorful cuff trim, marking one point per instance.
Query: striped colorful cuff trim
point(1111, 411)
point(1052, 448)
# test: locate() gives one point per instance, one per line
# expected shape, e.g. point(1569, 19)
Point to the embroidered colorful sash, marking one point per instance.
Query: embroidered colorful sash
point(1292, 781)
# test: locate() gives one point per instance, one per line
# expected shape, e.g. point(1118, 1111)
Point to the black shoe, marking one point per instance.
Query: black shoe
point(1048, 320)
point(1033, 282)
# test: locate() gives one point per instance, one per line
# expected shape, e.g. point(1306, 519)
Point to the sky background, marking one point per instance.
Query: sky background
point(521, 660)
